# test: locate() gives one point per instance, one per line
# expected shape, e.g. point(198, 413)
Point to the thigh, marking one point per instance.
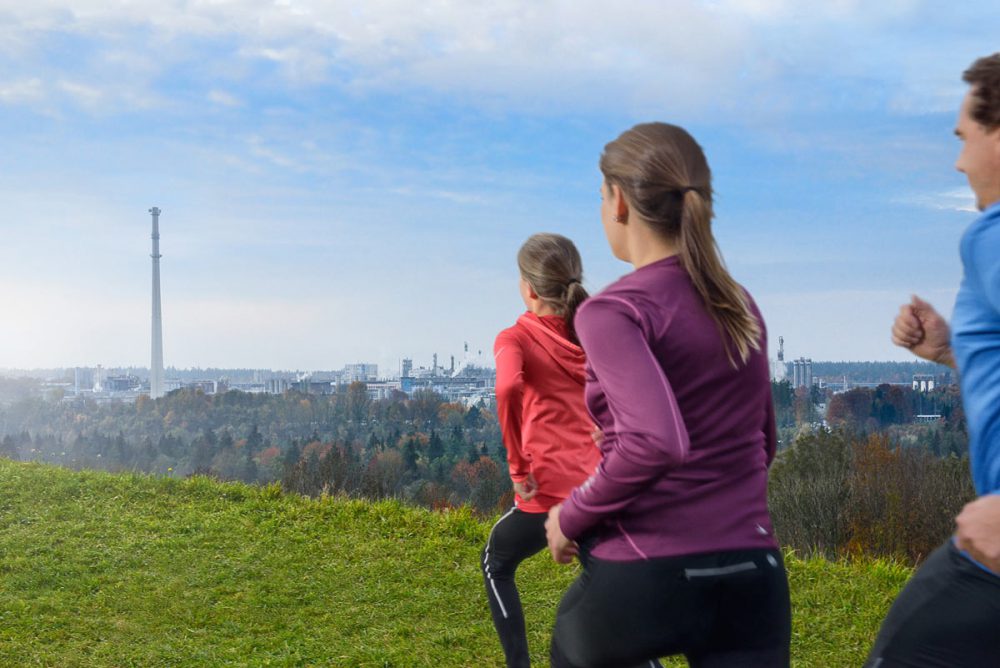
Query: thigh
point(752, 621)
point(516, 536)
point(624, 613)
point(948, 614)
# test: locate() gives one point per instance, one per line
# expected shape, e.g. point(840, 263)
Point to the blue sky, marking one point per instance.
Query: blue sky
point(348, 182)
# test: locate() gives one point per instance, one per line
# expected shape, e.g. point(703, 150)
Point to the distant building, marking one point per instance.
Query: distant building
point(779, 370)
point(802, 374)
point(382, 389)
point(83, 379)
point(277, 385)
point(310, 386)
point(126, 383)
point(468, 383)
point(206, 386)
point(354, 373)
point(923, 382)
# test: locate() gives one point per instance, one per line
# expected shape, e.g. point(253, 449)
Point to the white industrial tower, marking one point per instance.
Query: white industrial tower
point(156, 364)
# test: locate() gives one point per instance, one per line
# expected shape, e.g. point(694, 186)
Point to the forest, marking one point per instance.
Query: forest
point(855, 472)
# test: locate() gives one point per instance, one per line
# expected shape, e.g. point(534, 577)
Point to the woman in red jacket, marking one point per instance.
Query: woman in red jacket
point(546, 427)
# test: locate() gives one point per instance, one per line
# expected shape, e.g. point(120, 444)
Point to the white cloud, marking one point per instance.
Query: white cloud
point(25, 91)
point(87, 96)
point(257, 148)
point(224, 99)
point(957, 199)
point(640, 55)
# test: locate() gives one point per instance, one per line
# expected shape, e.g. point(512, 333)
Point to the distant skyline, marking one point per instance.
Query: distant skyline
point(344, 182)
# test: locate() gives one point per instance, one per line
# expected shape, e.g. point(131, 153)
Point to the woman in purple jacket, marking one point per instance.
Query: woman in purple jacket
point(673, 529)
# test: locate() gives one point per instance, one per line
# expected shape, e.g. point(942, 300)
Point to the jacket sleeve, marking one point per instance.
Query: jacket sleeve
point(647, 436)
point(509, 358)
point(770, 423)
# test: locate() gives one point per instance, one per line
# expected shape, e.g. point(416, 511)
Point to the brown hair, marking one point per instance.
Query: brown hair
point(552, 267)
point(665, 179)
point(984, 77)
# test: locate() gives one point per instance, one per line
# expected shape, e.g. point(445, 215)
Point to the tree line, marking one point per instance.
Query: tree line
point(867, 480)
point(421, 448)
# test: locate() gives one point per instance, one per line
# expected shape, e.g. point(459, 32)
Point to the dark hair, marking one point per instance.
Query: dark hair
point(552, 267)
point(665, 179)
point(984, 77)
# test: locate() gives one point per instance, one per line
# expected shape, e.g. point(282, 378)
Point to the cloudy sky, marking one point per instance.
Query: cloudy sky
point(350, 181)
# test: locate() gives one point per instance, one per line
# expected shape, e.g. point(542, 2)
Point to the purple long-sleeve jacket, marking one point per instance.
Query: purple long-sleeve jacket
point(687, 437)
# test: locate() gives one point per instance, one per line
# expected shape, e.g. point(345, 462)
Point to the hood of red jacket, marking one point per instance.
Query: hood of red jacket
point(552, 335)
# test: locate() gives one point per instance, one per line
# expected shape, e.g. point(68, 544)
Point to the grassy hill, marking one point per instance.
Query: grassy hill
point(129, 570)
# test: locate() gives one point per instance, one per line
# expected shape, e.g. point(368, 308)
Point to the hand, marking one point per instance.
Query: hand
point(562, 548)
point(526, 489)
point(597, 435)
point(922, 329)
point(979, 531)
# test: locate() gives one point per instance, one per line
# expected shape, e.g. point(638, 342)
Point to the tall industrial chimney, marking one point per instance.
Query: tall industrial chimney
point(156, 364)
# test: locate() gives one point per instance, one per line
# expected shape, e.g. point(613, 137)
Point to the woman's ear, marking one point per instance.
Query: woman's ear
point(527, 292)
point(619, 204)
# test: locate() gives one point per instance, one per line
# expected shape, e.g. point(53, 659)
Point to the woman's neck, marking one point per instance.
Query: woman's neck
point(540, 308)
point(646, 247)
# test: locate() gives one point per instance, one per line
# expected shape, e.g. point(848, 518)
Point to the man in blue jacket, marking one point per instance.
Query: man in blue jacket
point(948, 614)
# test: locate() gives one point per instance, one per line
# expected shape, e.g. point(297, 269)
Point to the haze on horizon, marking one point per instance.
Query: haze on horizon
point(344, 183)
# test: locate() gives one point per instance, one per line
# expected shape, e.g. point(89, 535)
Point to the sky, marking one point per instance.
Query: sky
point(344, 182)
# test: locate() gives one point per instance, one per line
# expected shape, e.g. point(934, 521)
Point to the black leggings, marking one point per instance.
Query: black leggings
point(514, 538)
point(947, 616)
point(719, 609)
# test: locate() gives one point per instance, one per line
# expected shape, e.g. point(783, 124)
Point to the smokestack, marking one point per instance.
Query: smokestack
point(156, 363)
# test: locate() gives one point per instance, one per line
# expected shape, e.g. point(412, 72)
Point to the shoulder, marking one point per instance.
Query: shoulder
point(608, 304)
point(980, 246)
point(983, 229)
point(512, 336)
point(631, 297)
point(606, 314)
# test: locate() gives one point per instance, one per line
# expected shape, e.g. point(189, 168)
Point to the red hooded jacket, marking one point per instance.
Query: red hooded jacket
point(545, 424)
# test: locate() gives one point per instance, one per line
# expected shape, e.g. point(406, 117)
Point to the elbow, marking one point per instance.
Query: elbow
point(655, 451)
point(672, 445)
point(507, 391)
point(504, 393)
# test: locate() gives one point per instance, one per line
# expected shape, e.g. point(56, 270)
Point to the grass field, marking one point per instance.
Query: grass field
point(129, 570)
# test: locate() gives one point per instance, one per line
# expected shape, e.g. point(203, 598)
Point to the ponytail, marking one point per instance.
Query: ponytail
point(575, 295)
point(551, 265)
point(725, 299)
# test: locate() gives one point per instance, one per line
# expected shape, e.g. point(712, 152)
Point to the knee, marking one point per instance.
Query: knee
point(494, 565)
point(573, 650)
point(484, 556)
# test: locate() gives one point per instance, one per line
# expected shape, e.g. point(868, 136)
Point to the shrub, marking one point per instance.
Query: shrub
point(836, 494)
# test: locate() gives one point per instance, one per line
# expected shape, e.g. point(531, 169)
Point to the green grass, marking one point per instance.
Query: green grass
point(130, 570)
